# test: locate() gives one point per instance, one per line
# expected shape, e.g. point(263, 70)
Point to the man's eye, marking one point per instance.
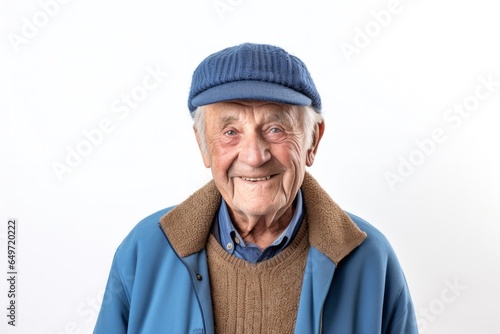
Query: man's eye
point(275, 130)
point(230, 133)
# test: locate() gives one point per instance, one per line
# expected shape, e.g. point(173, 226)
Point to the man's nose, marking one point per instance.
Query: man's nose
point(254, 150)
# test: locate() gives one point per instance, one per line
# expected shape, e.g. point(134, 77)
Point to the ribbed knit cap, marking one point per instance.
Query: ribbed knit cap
point(255, 72)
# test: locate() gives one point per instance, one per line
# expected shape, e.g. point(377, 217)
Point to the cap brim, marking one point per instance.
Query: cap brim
point(251, 90)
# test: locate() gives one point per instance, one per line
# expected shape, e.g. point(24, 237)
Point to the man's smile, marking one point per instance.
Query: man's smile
point(255, 179)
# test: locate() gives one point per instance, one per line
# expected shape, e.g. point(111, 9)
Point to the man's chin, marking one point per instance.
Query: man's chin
point(248, 207)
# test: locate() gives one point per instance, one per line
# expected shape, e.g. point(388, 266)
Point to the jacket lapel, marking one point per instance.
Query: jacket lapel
point(187, 226)
point(331, 230)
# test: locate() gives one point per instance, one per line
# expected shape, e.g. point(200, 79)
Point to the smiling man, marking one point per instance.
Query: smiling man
point(257, 153)
point(262, 248)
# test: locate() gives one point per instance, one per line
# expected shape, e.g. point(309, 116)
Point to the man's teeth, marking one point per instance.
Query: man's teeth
point(253, 179)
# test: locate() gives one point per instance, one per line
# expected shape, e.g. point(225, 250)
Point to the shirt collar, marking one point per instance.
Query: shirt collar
point(228, 235)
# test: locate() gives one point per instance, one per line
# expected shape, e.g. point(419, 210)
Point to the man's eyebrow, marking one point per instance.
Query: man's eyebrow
point(280, 117)
point(224, 121)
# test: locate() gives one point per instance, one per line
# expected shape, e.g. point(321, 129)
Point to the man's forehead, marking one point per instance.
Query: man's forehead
point(239, 108)
point(225, 113)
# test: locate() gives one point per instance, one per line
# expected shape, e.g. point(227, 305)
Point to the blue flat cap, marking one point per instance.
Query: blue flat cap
point(254, 72)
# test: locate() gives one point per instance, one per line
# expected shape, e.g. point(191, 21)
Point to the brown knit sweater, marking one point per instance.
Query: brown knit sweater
point(257, 298)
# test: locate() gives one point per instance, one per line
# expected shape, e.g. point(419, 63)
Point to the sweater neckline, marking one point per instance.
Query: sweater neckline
point(285, 256)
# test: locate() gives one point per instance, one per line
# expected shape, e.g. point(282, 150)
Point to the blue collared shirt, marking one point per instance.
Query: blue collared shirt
point(229, 238)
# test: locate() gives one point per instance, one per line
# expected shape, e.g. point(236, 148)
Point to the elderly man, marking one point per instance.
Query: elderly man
point(262, 248)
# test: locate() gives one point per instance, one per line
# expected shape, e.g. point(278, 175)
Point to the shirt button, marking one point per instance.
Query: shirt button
point(237, 240)
point(198, 277)
point(229, 246)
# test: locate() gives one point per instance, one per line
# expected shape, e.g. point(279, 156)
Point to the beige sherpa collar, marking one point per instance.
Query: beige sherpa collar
point(331, 231)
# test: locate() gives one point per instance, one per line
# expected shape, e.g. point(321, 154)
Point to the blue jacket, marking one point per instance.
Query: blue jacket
point(159, 281)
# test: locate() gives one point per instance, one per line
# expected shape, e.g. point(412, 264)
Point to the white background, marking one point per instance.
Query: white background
point(64, 77)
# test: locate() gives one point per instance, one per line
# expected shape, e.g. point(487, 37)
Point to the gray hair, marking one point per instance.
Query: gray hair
point(311, 118)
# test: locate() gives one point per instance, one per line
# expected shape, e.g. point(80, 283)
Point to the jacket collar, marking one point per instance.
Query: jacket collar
point(331, 231)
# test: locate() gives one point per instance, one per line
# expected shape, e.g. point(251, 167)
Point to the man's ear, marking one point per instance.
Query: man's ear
point(204, 153)
point(311, 152)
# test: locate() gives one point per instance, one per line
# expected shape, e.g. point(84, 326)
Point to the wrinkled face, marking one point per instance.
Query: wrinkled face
point(257, 152)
